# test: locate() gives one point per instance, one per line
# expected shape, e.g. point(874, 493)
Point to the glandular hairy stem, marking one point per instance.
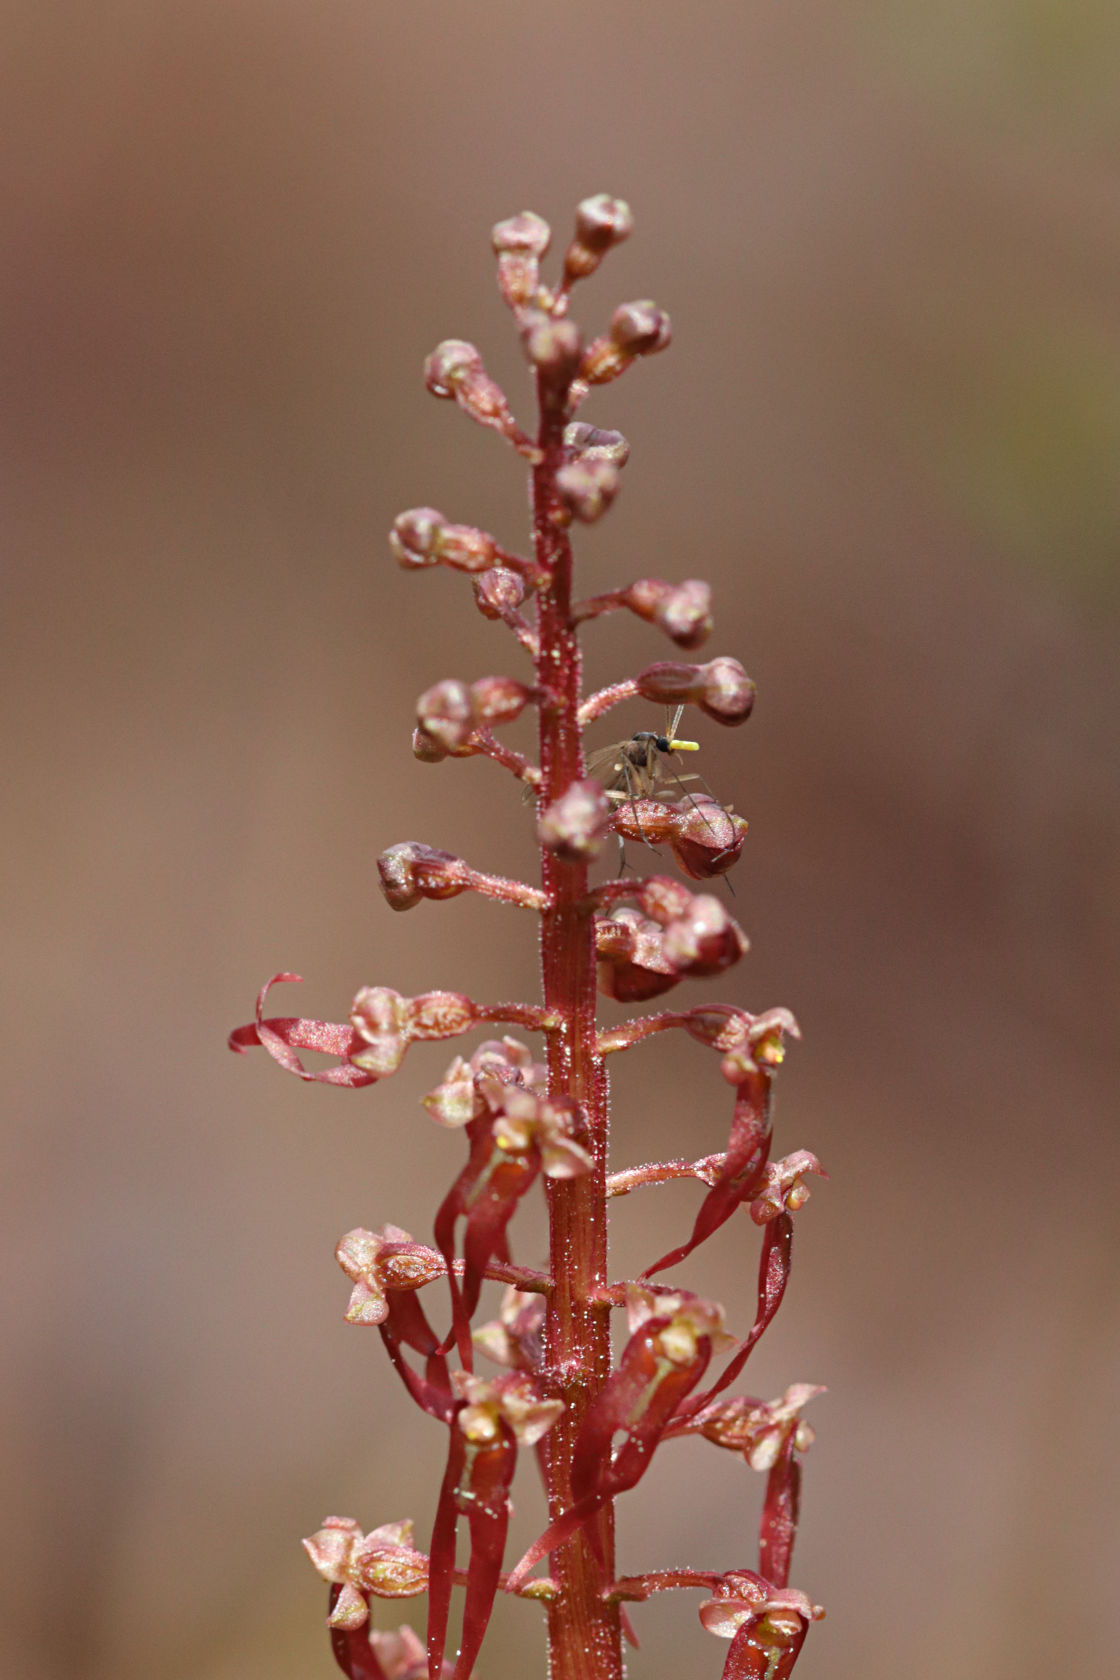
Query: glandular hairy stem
point(584, 1632)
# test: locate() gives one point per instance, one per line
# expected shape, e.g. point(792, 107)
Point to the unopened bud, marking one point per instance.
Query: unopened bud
point(705, 940)
point(640, 329)
point(596, 443)
point(682, 610)
point(450, 366)
point(729, 693)
point(601, 222)
point(576, 824)
point(445, 713)
point(498, 699)
point(632, 965)
point(587, 487)
point(455, 370)
point(519, 243)
point(426, 748)
point(414, 536)
point(707, 840)
point(646, 820)
point(664, 899)
point(422, 537)
point(411, 871)
point(499, 591)
point(721, 688)
point(553, 347)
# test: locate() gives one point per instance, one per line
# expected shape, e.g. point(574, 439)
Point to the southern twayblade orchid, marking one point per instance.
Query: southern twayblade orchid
point(595, 1421)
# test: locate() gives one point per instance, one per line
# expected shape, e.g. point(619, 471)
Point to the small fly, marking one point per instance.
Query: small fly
point(633, 769)
point(637, 768)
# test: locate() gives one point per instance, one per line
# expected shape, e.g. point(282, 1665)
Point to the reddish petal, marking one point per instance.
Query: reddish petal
point(281, 1036)
point(778, 1528)
point(489, 1520)
point(773, 1275)
point(352, 1650)
point(441, 1571)
point(747, 1151)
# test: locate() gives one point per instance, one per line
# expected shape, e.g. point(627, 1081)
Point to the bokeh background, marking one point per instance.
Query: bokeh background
point(889, 432)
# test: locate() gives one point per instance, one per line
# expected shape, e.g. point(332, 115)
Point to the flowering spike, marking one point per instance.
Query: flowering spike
point(594, 1423)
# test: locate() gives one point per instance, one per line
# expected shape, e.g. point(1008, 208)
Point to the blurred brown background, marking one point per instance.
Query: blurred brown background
point(889, 432)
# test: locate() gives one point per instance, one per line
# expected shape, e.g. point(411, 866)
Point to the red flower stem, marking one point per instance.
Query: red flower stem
point(660, 1172)
point(487, 746)
point(584, 1632)
point(529, 1015)
point(606, 698)
point(596, 605)
point(633, 1032)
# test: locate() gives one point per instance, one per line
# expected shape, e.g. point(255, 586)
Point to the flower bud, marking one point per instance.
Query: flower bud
point(519, 243)
point(721, 689)
point(387, 1564)
point(411, 871)
point(728, 694)
point(601, 222)
point(446, 714)
point(451, 365)
point(498, 699)
point(664, 899)
point(595, 443)
point(632, 965)
point(704, 940)
point(455, 371)
point(499, 592)
point(646, 820)
point(681, 610)
point(414, 536)
point(553, 347)
point(640, 329)
point(576, 824)
point(587, 487)
point(707, 839)
point(426, 748)
point(422, 537)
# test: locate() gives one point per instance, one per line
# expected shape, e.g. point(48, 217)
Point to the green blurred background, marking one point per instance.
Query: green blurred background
point(888, 431)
